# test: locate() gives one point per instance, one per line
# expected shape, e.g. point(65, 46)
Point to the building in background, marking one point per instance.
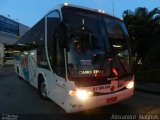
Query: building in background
point(10, 32)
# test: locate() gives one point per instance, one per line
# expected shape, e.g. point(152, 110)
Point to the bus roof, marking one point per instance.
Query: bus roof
point(60, 6)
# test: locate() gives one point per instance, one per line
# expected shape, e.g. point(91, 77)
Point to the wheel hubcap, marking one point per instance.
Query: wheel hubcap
point(43, 90)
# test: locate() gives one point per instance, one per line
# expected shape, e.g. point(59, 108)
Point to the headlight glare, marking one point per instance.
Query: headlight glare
point(130, 85)
point(81, 94)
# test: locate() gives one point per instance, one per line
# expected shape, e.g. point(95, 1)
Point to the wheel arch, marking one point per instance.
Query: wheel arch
point(39, 80)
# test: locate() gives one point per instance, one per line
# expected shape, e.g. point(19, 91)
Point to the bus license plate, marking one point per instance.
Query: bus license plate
point(112, 100)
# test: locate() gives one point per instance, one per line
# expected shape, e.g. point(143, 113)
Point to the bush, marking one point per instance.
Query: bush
point(150, 75)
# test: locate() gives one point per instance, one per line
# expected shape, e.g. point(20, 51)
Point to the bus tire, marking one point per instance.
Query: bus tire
point(42, 88)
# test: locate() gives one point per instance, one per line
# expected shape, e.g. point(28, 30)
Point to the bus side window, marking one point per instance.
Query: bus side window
point(53, 21)
point(55, 52)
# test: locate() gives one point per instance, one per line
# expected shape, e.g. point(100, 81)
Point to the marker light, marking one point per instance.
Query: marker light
point(81, 94)
point(66, 4)
point(100, 11)
point(103, 11)
point(130, 85)
point(114, 71)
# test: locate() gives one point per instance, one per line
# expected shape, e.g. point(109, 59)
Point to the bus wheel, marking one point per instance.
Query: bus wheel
point(43, 89)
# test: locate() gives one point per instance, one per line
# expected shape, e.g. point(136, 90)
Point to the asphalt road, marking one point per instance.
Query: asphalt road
point(20, 101)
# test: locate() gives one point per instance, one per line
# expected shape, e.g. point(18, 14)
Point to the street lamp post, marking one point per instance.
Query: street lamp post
point(112, 6)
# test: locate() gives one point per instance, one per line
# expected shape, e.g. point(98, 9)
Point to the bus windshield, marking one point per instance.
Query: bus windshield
point(118, 36)
point(89, 47)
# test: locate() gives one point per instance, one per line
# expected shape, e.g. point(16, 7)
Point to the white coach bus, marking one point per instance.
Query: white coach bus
point(78, 57)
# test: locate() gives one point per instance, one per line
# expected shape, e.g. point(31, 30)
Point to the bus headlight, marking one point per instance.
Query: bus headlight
point(130, 85)
point(81, 94)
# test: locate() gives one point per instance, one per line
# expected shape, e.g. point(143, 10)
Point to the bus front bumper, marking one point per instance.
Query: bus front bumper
point(76, 105)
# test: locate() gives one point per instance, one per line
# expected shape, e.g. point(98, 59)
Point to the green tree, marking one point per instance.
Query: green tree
point(144, 28)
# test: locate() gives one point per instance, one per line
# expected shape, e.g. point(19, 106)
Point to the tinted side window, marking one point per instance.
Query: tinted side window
point(53, 21)
point(38, 36)
point(55, 53)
